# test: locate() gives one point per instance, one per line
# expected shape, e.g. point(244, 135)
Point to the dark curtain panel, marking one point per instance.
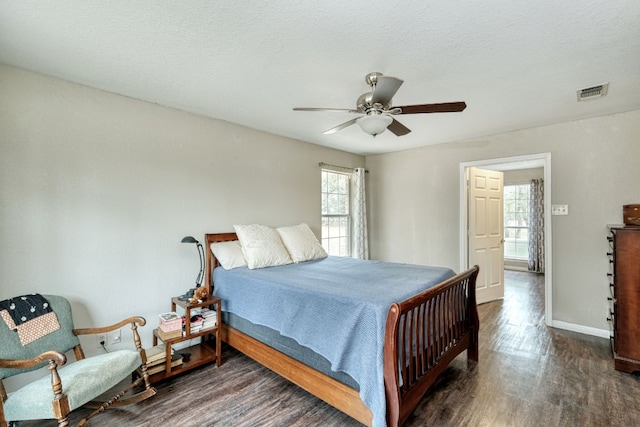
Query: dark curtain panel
point(536, 226)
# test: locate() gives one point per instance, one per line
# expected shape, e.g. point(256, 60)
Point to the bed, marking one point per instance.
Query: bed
point(414, 337)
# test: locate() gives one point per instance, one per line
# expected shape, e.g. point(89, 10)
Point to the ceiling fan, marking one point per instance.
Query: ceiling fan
point(376, 110)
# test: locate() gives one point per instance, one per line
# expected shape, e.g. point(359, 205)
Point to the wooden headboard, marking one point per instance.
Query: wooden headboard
point(210, 261)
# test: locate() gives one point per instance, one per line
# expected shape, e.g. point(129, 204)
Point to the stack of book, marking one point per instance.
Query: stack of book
point(157, 356)
point(202, 319)
point(170, 326)
point(210, 318)
point(196, 323)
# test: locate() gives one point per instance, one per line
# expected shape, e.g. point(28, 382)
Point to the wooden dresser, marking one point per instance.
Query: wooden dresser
point(624, 258)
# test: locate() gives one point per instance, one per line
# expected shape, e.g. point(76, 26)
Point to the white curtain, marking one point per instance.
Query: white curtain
point(359, 239)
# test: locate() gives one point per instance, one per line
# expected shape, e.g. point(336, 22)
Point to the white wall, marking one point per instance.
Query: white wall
point(97, 190)
point(414, 202)
point(522, 176)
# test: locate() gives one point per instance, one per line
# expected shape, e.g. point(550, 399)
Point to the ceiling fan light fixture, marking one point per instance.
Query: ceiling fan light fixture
point(375, 108)
point(374, 124)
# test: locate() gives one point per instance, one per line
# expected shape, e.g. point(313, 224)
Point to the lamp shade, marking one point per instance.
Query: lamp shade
point(374, 124)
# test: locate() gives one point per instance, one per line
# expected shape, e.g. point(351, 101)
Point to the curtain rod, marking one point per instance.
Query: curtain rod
point(322, 164)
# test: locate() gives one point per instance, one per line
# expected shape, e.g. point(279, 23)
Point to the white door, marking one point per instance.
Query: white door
point(485, 234)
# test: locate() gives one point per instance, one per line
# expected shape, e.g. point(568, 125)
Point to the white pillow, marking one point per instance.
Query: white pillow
point(301, 243)
point(229, 254)
point(261, 246)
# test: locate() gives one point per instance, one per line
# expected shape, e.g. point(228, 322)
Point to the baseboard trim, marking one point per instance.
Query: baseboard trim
point(516, 268)
point(587, 330)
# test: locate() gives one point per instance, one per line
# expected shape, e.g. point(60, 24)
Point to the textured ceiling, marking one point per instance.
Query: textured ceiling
point(517, 64)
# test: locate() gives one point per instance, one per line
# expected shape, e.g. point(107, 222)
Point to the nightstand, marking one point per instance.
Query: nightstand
point(207, 351)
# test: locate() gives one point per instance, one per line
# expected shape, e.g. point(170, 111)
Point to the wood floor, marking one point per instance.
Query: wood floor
point(528, 375)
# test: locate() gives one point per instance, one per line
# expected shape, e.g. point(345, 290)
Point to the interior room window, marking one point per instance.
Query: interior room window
point(516, 221)
point(336, 220)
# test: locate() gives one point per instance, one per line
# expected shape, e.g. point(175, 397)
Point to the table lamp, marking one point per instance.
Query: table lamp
point(191, 239)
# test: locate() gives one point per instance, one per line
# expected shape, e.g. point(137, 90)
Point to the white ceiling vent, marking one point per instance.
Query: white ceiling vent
point(593, 92)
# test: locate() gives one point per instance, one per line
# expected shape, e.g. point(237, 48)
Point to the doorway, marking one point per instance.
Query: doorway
point(542, 160)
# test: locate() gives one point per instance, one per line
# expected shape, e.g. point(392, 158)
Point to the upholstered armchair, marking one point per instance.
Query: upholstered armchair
point(39, 342)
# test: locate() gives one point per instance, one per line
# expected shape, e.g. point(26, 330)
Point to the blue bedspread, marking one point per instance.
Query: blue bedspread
point(335, 306)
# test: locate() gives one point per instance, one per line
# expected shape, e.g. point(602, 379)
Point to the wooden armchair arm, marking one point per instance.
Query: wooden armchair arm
point(92, 331)
point(133, 321)
point(53, 356)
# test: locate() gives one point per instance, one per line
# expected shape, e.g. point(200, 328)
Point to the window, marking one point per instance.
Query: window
point(336, 221)
point(516, 221)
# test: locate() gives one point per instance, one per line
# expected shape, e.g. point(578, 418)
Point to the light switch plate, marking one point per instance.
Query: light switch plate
point(559, 209)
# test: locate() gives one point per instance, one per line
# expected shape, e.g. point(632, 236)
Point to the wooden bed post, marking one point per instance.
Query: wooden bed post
point(211, 262)
point(472, 307)
point(392, 390)
point(208, 264)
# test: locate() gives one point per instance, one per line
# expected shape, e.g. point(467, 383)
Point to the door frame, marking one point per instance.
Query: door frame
point(514, 163)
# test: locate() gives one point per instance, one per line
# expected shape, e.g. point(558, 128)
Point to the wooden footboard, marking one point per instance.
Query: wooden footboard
point(426, 331)
point(423, 335)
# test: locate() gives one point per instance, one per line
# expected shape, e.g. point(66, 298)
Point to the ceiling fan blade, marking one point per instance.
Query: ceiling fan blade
point(384, 89)
point(446, 107)
point(338, 110)
point(340, 127)
point(398, 128)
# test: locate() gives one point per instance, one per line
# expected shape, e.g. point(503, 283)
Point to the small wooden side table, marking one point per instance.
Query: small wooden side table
point(207, 351)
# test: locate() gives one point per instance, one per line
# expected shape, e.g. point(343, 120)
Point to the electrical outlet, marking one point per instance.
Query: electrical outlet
point(101, 338)
point(115, 337)
point(559, 209)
